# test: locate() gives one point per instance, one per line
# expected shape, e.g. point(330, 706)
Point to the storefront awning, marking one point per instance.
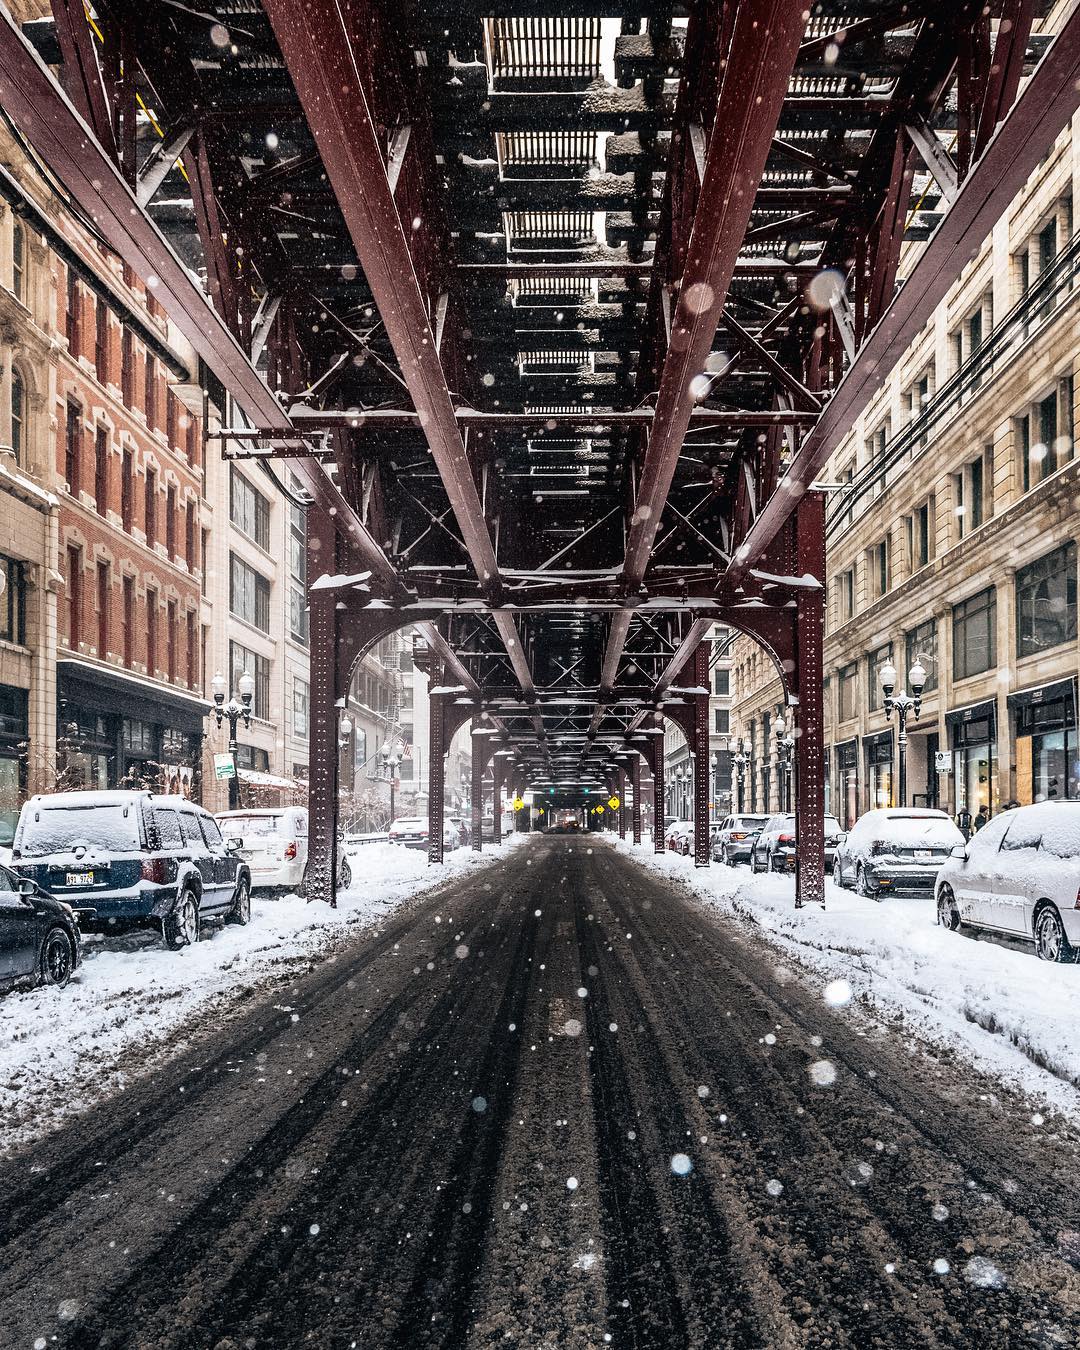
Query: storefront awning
point(110, 689)
point(259, 779)
point(977, 711)
point(1044, 693)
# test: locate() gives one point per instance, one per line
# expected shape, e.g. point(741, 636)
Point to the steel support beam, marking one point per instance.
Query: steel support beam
point(702, 772)
point(476, 795)
point(1040, 113)
point(635, 780)
point(810, 742)
point(436, 763)
point(323, 750)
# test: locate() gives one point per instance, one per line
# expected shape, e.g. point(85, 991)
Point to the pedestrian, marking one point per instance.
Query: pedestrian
point(980, 819)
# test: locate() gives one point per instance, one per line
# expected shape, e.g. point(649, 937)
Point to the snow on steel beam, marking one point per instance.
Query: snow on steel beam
point(41, 111)
point(317, 49)
point(453, 666)
point(1012, 155)
point(764, 45)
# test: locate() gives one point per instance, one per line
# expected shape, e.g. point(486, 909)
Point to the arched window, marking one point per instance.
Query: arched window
point(18, 415)
point(18, 261)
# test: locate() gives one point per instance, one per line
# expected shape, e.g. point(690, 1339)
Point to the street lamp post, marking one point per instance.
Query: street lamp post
point(714, 760)
point(739, 763)
point(235, 712)
point(391, 759)
point(903, 704)
point(785, 746)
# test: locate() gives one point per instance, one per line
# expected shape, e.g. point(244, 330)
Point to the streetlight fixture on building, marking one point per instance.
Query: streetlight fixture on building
point(236, 711)
point(739, 762)
point(785, 747)
point(903, 703)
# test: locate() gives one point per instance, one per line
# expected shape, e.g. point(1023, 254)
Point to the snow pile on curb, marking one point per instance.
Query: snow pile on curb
point(62, 1050)
point(997, 1006)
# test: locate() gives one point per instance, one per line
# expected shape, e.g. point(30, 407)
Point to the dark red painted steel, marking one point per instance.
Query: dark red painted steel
point(809, 644)
point(635, 781)
point(437, 746)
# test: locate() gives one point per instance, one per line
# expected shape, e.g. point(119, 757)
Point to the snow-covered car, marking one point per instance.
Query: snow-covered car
point(734, 838)
point(39, 935)
point(120, 858)
point(273, 841)
point(1019, 875)
point(895, 850)
point(412, 832)
point(680, 836)
point(774, 848)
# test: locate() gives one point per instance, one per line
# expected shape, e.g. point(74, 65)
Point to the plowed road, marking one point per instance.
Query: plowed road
point(554, 1104)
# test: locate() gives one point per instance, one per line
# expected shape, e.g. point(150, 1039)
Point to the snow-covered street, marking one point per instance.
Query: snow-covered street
point(132, 1002)
point(993, 1005)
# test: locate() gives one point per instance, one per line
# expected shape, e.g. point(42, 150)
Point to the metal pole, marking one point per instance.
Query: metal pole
point(902, 711)
point(234, 781)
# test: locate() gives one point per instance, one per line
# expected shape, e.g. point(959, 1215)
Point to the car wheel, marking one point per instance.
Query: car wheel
point(838, 873)
point(753, 862)
point(948, 913)
point(861, 887)
point(241, 910)
point(57, 962)
point(181, 927)
point(344, 875)
point(1051, 944)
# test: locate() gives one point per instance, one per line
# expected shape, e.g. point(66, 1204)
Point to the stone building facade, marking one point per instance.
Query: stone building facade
point(952, 535)
point(678, 760)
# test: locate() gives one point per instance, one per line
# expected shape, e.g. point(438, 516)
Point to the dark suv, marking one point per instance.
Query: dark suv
point(122, 858)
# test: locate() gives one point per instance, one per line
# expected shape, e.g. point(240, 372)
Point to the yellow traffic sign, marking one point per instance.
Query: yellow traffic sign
point(613, 802)
point(518, 803)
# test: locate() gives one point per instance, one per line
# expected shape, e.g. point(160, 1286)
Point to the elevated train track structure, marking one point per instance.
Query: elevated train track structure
point(556, 313)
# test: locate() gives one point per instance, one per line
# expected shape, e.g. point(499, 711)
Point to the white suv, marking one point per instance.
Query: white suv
point(1020, 875)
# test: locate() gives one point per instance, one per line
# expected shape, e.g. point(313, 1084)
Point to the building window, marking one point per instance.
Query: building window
point(301, 707)
point(189, 536)
point(241, 662)
point(253, 757)
point(1044, 435)
point(874, 662)
point(151, 507)
point(151, 631)
point(1046, 602)
point(127, 368)
point(191, 437)
point(101, 470)
point(920, 543)
point(974, 622)
point(192, 652)
point(72, 320)
point(204, 554)
point(74, 596)
point(722, 718)
point(922, 642)
point(150, 391)
point(101, 341)
point(171, 639)
point(129, 620)
point(72, 447)
point(18, 261)
point(722, 683)
point(170, 416)
point(879, 567)
point(249, 594)
point(170, 522)
point(298, 611)
point(103, 610)
point(847, 682)
point(845, 587)
point(127, 490)
point(18, 415)
point(249, 510)
point(13, 600)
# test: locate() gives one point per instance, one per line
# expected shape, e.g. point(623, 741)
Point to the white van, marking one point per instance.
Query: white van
point(274, 842)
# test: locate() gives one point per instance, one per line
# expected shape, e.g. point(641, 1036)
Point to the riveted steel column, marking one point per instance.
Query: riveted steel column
point(657, 766)
point(702, 770)
point(635, 780)
point(622, 803)
point(810, 729)
point(436, 765)
point(320, 881)
point(496, 804)
point(477, 795)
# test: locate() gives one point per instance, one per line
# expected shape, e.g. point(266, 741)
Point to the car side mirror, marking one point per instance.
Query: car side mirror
point(234, 845)
point(959, 851)
point(27, 888)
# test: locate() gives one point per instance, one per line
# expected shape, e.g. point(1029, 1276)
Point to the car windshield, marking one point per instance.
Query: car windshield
point(750, 820)
point(59, 829)
point(919, 831)
point(250, 827)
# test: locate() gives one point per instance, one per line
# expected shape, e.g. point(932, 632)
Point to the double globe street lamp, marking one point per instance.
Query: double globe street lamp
point(391, 760)
point(903, 703)
point(235, 711)
point(740, 761)
point(785, 749)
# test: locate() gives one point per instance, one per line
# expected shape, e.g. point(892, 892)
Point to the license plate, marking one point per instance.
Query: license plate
point(923, 855)
point(78, 879)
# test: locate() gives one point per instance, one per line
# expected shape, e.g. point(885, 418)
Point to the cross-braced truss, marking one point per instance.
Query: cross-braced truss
point(556, 313)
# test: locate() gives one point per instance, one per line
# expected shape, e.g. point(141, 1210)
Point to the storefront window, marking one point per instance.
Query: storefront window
point(1047, 754)
point(847, 783)
point(1046, 602)
point(975, 765)
point(879, 770)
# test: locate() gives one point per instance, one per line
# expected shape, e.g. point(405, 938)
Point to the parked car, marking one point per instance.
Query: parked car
point(774, 848)
point(734, 838)
point(679, 837)
point(273, 840)
point(895, 851)
point(39, 935)
point(1019, 875)
point(412, 832)
point(120, 858)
